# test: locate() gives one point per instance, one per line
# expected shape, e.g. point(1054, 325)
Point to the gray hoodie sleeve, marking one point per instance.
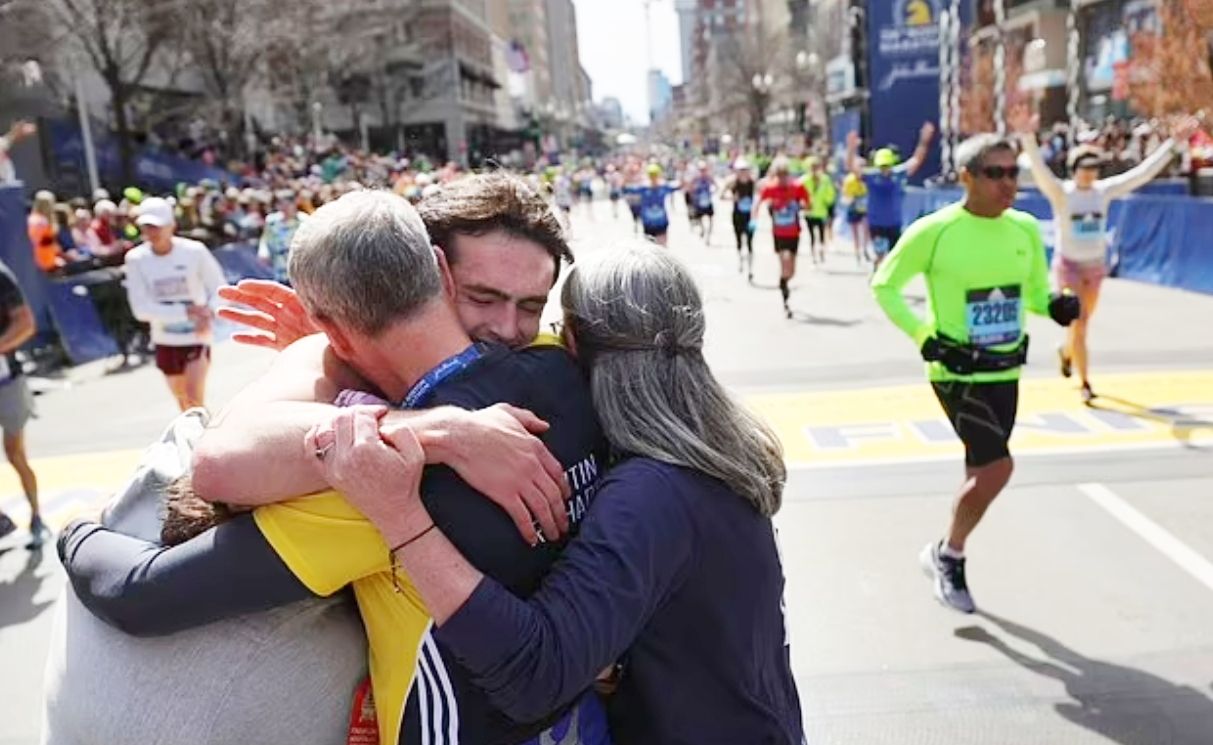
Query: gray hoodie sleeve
point(144, 589)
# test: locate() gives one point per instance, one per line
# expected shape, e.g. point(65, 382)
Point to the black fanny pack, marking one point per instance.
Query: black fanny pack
point(961, 358)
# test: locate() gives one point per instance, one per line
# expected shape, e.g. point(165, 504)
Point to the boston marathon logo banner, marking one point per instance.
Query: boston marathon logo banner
point(903, 44)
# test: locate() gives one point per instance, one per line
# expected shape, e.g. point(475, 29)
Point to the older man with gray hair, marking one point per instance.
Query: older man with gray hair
point(985, 268)
point(369, 279)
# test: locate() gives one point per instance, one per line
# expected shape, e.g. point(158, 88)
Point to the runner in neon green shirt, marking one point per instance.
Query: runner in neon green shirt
point(821, 201)
point(983, 276)
point(985, 269)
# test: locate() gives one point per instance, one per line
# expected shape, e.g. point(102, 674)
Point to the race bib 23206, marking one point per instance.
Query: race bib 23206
point(993, 316)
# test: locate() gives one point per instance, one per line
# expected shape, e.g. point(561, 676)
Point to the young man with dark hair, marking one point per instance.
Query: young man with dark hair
point(984, 267)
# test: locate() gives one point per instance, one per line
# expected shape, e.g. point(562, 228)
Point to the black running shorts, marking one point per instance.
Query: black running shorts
point(890, 235)
point(983, 415)
point(790, 245)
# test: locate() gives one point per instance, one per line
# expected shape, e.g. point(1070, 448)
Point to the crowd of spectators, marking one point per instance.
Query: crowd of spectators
point(1124, 143)
point(292, 176)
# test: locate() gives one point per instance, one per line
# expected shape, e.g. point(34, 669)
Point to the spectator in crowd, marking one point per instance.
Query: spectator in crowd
point(82, 236)
point(275, 246)
point(103, 233)
point(44, 233)
point(63, 230)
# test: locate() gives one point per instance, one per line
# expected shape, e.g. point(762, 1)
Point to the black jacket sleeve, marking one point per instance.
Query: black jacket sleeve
point(145, 589)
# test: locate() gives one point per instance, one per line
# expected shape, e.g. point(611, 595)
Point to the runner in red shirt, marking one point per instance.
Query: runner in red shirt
point(786, 199)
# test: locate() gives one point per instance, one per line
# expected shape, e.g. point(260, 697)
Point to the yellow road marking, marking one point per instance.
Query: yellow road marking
point(822, 428)
point(62, 472)
point(906, 423)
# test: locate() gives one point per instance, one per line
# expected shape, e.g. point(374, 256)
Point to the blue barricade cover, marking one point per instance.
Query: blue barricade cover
point(83, 336)
point(239, 261)
point(1167, 242)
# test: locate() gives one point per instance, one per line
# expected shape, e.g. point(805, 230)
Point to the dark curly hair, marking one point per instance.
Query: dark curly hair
point(490, 202)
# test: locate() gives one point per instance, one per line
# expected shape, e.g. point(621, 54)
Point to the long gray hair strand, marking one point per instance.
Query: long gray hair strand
point(637, 319)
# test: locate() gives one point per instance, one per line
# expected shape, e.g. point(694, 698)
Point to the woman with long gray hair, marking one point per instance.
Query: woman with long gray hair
point(674, 581)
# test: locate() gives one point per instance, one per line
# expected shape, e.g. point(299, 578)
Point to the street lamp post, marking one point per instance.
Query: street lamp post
point(808, 62)
point(86, 131)
point(762, 83)
point(317, 107)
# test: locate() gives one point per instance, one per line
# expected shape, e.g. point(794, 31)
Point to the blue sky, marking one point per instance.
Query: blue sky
point(611, 36)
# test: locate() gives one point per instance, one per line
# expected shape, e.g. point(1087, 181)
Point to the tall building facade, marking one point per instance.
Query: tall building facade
point(688, 12)
point(565, 56)
point(453, 109)
point(660, 95)
point(715, 88)
point(529, 30)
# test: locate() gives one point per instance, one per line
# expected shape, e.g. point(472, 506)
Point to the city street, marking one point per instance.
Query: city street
point(1094, 571)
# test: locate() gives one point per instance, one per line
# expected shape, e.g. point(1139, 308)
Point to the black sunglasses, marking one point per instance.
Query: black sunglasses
point(996, 173)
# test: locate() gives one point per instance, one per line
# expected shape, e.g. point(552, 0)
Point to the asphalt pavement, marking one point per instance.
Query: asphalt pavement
point(1093, 572)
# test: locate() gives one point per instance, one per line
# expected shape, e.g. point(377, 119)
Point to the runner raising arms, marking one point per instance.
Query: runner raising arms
point(1080, 209)
point(984, 266)
point(786, 198)
point(886, 184)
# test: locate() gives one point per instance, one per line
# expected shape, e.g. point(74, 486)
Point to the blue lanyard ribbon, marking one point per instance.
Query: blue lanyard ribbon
point(447, 368)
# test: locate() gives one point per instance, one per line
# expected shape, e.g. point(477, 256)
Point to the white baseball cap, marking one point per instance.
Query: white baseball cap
point(155, 211)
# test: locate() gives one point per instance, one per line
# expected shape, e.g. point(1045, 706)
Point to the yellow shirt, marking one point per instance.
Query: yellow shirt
point(855, 191)
point(328, 544)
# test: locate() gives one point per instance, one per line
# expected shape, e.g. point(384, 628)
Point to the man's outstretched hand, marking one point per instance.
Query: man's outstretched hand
point(276, 314)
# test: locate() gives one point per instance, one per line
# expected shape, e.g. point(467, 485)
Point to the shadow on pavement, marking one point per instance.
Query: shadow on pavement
point(17, 594)
point(1126, 705)
point(802, 317)
point(1183, 425)
point(860, 272)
